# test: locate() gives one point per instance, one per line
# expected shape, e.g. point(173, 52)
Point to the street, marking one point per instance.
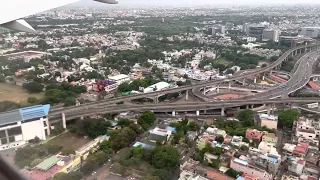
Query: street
point(100, 174)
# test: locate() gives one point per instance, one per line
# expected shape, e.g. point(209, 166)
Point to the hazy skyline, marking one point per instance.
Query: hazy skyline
point(198, 2)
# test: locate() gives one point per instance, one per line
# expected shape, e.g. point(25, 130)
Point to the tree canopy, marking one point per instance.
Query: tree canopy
point(146, 119)
point(246, 117)
point(287, 117)
point(33, 87)
point(165, 157)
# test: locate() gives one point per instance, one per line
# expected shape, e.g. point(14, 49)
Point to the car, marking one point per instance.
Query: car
point(93, 173)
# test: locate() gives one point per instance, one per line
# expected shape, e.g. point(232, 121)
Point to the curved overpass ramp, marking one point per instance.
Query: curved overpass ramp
point(284, 57)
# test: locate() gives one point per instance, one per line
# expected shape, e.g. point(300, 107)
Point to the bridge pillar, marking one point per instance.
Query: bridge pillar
point(263, 77)
point(244, 82)
point(173, 113)
point(205, 111)
point(255, 80)
point(222, 112)
point(269, 109)
point(198, 113)
point(218, 89)
point(156, 100)
point(247, 106)
point(251, 106)
point(187, 95)
point(204, 90)
point(64, 124)
point(270, 73)
point(48, 127)
point(229, 87)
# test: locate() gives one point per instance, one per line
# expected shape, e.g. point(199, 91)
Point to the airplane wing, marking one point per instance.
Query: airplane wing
point(12, 11)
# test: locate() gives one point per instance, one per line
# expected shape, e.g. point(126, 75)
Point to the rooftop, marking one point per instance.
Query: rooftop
point(269, 117)
point(47, 163)
point(119, 77)
point(24, 114)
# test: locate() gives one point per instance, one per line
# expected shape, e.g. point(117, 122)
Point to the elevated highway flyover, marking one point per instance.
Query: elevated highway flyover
point(198, 108)
point(155, 95)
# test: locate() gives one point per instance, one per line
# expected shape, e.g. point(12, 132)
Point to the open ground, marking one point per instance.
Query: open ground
point(11, 92)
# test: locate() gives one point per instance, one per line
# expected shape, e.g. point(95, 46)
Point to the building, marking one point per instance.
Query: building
point(210, 157)
point(307, 131)
point(85, 149)
point(104, 85)
point(195, 168)
point(25, 55)
point(266, 147)
point(270, 35)
point(21, 125)
point(121, 78)
point(186, 175)
point(289, 177)
point(312, 32)
point(296, 165)
point(288, 149)
point(53, 165)
point(293, 41)
point(250, 46)
point(242, 165)
point(270, 138)
point(269, 121)
point(301, 150)
point(254, 134)
point(157, 87)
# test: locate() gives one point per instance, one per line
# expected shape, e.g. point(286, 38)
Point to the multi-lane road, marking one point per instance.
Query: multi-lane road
point(159, 93)
point(297, 81)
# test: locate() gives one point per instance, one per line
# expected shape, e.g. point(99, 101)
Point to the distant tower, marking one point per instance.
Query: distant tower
point(162, 20)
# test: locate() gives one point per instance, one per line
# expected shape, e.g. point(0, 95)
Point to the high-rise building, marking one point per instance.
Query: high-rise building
point(245, 28)
point(270, 34)
point(229, 25)
point(313, 32)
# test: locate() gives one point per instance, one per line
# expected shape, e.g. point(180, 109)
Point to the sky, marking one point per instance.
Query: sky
point(199, 2)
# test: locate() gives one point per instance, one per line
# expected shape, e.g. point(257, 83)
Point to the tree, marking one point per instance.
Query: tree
point(32, 100)
point(287, 117)
point(163, 174)
point(89, 166)
point(124, 122)
point(146, 119)
point(232, 173)
point(150, 178)
point(67, 152)
point(165, 157)
point(33, 87)
point(264, 65)
point(69, 101)
point(219, 139)
point(73, 175)
point(96, 127)
point(137, 152)
point(193, 126)
point(246, 117)
point(229, 71)
point(35, 162)
point(124, 87)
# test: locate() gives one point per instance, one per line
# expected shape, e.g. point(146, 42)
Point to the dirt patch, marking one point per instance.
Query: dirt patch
point(10, 92)
point(70, 141)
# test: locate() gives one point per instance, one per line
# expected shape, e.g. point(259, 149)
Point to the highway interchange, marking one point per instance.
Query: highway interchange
point(298, 80)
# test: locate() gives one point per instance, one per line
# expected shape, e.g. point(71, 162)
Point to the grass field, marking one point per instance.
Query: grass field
point(69, 141)
point(10, 92)
point(222, 61)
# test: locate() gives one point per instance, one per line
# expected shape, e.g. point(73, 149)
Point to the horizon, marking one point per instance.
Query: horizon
point(197, 3)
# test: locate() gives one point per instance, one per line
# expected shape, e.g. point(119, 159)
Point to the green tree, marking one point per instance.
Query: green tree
point(146, 119)
point(69, 101)
point(165, 157)
point(33, 87)
point(287, 117)
point(219, 139)
point(163, 174)
point(137, 152)
point(124, 87)
point(32, 100)
point(96, 127)
point(232, 173)
point(246, 117)
point(35, 162)
point(67, 152)
point(124, 122)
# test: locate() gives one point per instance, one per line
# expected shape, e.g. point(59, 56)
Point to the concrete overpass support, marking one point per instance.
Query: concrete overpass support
point(48, 129)
point(187, 95)
point(229, 85)
point(218, 89)
point(255, 80)
point(198, 113)
point(64, 123)
point(204, 90)
point(244, 82)
point(173, 113)
point(222, 112)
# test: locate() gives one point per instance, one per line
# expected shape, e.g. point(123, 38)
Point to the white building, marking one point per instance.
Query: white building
point(312, 32)
point(307, 131)
point(250, 45)
point(121, 78)
point(157, 87)
point(270, 34)
point(242, 165)
point(19, 126)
